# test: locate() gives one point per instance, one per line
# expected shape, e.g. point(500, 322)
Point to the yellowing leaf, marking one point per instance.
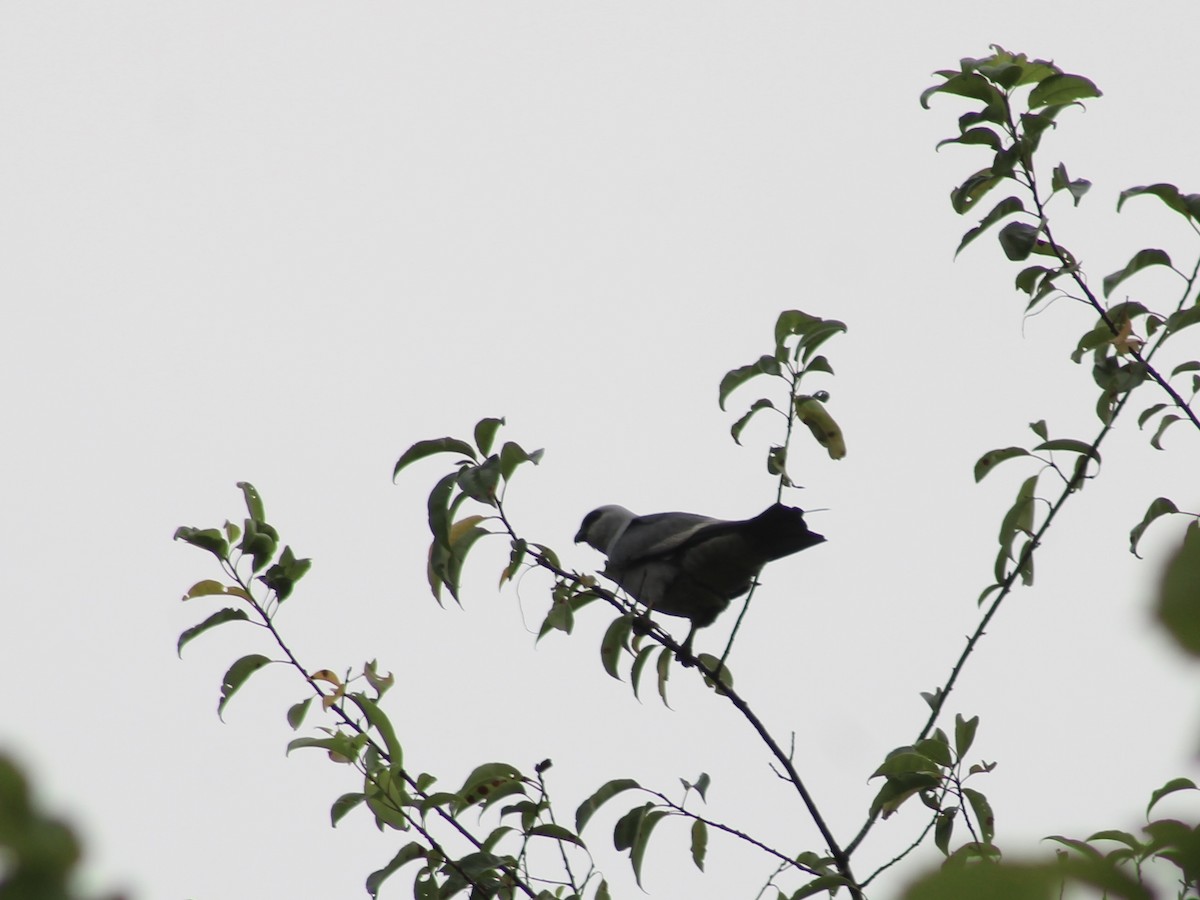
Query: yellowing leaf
point(205, 588)
point(1125, 340)
point(462, 526)
point(812, 412)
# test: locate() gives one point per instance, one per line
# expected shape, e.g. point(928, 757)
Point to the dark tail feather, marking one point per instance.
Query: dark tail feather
point(781, 531)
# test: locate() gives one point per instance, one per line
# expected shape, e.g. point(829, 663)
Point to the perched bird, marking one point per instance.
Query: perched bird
point(692, 566)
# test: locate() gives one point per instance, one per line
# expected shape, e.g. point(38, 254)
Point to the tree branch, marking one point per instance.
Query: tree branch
point(841, 858)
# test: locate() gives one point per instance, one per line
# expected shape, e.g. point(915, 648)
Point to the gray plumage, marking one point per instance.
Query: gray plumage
point(692, 566)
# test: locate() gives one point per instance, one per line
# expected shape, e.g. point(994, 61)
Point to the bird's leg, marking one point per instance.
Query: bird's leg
point(641, 623)
point(685, 654)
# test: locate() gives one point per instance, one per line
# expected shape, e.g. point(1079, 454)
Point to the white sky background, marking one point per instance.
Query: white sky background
point(280, 242)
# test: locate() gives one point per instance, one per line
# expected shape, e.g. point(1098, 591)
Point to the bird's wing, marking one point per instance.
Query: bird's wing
point(657, 536)
point(724, 554)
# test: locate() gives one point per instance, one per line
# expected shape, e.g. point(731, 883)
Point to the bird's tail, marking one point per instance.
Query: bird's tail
point(781, 531)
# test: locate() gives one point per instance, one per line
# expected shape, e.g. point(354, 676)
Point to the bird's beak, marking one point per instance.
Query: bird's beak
point(579, 537)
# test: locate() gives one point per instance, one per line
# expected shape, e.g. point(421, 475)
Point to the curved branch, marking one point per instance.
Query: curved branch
point(353, 725)
point(656, 633)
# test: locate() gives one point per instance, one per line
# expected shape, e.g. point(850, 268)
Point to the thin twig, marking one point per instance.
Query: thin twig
point(350, 722)
point(841, 858)
point(787, 860)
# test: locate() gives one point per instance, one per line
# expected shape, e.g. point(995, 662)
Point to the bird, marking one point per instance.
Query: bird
point(689, 565)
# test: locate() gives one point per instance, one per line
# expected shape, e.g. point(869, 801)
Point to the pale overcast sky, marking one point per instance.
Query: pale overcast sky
point(281, 241)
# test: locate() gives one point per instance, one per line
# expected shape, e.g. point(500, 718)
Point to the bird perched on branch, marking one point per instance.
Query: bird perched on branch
point(692, 566)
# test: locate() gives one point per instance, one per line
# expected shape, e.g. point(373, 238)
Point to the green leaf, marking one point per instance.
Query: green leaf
point(974, 86)
point(557, 832)
point(992, 458)
point(777, 462)
point(516, 557)
point(512, 455)
point(820, 885)
point(899, 789)
point(236, 676)
point(463, 535)
point(602, 891)
point(985, 882)
point(983, 813)
point(217, 618)
point(625, 831)
point(438, 507)
point(701, 786)
point(489, 782)
point(817, 336)
point(740, 424)
point(905, 761)
point(387, 796)
point(1123, 837)
point(935, 750)
point(964, 734)
point(1039, 428)
point(485, 434)
point(964, 197)
point(422, 449)
point(259, 541)
point(1182, 319)
point(985, 136)
point(343, 805)
point(609, 790)
point(1070, 445)
point(793, 322)
point(639, 664)
point(1058, 89)
point(1005, 207)
point(818, 364)
point(254, 504)
point(1062, 181)
point(1186, 205)
point(1171, 787)
point(1099, 335)
point(1190, 366)
point(987, 591)
point(1163, 424)
point(615, 640)
point(1150, 412)
point(638, 852)
point(1018, 520)
point(699, 843)
point(1034, 125)
point(944, 829)
point(664, 672)
point(407, 854)
point(281, 578)
point(481, 482)
point(339, 744)
point(711, 664)
point(1028, 278)
point(296, 713)
point(1178, 604)
point(766, 365)
point(1018, 239)
point(1151, 256)
point(561, 615)
point(209, 539)
point(378, 720)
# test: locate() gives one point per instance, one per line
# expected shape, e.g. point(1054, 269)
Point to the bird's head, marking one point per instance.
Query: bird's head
point(601, 527)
